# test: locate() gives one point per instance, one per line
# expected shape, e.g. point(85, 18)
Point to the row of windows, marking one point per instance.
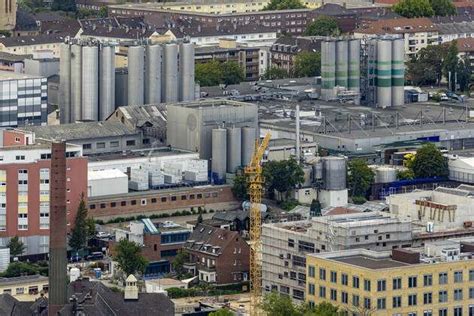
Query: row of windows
point(112, 144)
point(163, 199)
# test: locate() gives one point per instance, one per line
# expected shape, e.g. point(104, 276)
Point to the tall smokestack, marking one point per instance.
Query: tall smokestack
point(58, 230)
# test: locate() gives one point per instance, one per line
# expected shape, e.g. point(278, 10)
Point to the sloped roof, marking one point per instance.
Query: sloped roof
point(206, 238)
point(10, 306)
point(398, 26)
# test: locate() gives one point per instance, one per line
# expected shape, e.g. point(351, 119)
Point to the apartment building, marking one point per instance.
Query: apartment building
point(286, 48)
point(285, 245)
point(24, 188)
point(27, 288)
point(27, 45)
point(435, 280)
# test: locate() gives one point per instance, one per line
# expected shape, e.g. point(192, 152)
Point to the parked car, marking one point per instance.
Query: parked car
point(102, 235)
point(95, 256)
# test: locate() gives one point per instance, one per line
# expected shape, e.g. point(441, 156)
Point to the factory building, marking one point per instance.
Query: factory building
point(433, 280)
point(23, 99)
point(285, 245)
point(220, 130)
point(91, 89)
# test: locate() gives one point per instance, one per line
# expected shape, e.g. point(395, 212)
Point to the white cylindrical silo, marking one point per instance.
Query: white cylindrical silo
point(76, 83)
point(354, 65)
point(153, 74)
point(136, 68)
point(248, 144)
point(234, 149)
point(107, 82)
point(342, 58)
point(328, 69)
point(65, 83)
point(398, 72)
point(170, 91)
point(219, 154)
point(384, 73)
point(90, 83)
point(186, 72)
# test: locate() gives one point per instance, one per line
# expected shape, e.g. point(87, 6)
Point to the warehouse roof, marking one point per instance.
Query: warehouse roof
point(105, 174)
point(81, 130)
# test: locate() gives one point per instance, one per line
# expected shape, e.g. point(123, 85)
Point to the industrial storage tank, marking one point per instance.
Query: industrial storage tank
point(107, 82)
point(136, 68)
point(90, 83)
point(385, 175)
point(334, 173)
point(354, 65)
point(219, 154)
point(398, 72)
point(76, 83)
point(186, 72)
point(153, 74)
point(384, 73)
point(318, 170)
point(234, 149)
point(170, 91)
point(342, 58)
point(65, 82)
point(248, 144)
point(328, 69)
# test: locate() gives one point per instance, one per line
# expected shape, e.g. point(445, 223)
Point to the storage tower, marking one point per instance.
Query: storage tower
point(153, 74)
point(328, 69)
point(90, 83)
point(107, 82)
point(186, 72)
point(136, 69)
point(170, 92)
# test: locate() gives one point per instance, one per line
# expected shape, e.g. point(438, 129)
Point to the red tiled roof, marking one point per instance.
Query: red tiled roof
point(398, 26)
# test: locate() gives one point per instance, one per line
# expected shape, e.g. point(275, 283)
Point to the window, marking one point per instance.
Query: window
point(333, 276)
point(412, 281)
point(367, 302)
point(113, 204)
point(367, 285)
point(443, 296)
point(311, 289)
point(92, 207)
point(381, 285)
point(427, 298)
point(443, 312)
point(443, 278)
point(123, 203)
point(86, 146)
point(163, 199)
point(344, 279)
point(311, 271)
point(130, 143)
point(100, 145)
point(457, 311)
point(333, 295)
point(322, 274)
point(20, 157)
point(355, 282)
point(428, 280)
point(344, 297)
point(397, 283)
point(381, 303)
point(397, 301)
point(20, 290)
point(114, 144)
point(428, 313)
point(355, 300)
point(457, 276)
point(412, 300)
point(322, 292)
point(183, 197)
point(458, 294)
point(471, 292)
point(133, 202)
point(471, 275)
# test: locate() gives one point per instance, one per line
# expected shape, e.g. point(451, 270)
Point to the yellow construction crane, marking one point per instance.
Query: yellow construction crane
point(255, 179)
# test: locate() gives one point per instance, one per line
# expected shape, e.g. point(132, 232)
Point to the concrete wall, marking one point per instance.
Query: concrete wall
point(107, 186)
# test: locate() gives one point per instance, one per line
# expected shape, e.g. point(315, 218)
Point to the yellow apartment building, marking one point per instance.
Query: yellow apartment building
point(25, 288)
point(436, 282)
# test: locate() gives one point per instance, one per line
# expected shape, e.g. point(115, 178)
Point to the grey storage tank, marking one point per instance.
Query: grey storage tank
point(65, 83)
point(398, 72)
point(334, 173)
point(341, 63)
point(384, 73)
point(153, 74)
point(385, 175)
point(354, 65)
point(234, 149)
point(90, 83)
point(328, 69)
point(219, 154)
point(136, 68)
point(186, 72)
point(248, 144)
point(76, 83)
point(107, 82)
point(170, 91)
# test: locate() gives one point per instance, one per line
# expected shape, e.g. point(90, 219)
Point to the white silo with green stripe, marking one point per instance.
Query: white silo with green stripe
point(342, 58)
point(354, 65)
point(398, 72)
point(328, 69)
point(384, 73)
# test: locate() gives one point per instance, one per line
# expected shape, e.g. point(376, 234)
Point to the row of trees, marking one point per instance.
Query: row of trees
point(424, 8)
point(284, 5)
point(213, 73)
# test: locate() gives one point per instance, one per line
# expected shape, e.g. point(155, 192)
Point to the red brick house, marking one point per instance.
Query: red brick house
point(217, 255)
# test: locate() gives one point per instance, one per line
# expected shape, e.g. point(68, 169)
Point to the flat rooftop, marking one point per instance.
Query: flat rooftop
point(370, 263)
point(9, 75)
point(23, 279)
point(140, 153)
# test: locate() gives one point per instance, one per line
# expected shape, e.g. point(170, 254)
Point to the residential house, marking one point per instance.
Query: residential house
point(285, 49)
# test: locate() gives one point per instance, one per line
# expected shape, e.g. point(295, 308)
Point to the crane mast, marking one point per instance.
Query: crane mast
point(256, 181)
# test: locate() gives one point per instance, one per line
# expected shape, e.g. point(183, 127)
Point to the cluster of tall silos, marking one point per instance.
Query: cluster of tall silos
point(340, 66)
point(87, 86)
point(232, 148)
point(390, 70)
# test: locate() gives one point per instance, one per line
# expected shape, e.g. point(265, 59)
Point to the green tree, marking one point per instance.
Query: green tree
point(323, 26)
point(284, 5)
point(103, 13)
point(279, 305)
point(273, 72)
point(426, 68)
point(283, 175)
point(19, 268)
point(239, 188)
point(179, 260)
point(129, 257)
point(359, 177)
point(232, 73)
point(79, 233)
point(450, 63)
point(464, 73)
point(323, 309)
point(30, 5)
point(406, 174)
point(64, 5)
point(16, 246)
point(414, 8)
point(308, 64)
point(90, 227)
point(208, 74)
point(429, 162)
point(443, 7)
point(222, 312)
point(315, 208)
